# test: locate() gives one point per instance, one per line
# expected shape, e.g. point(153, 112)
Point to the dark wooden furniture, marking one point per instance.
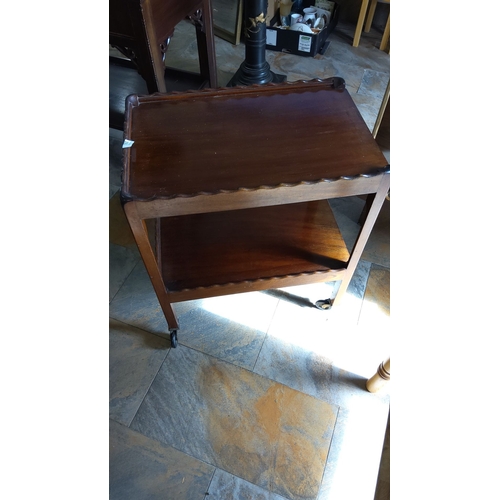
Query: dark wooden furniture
point(141, 30)
point(238, 181)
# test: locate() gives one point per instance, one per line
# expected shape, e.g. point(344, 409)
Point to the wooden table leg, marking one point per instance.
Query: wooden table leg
point(380, 378)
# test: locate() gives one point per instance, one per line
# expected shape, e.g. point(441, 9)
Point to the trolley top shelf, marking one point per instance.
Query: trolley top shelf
point(231, 139)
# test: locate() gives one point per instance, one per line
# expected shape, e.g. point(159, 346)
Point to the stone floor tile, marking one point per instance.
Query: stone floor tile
point(325, 359)
point(366, 55)
point(143, 469)
point(119, 229)
point(296, 67)
point(357, 445)
point(231, 327)
point(298, 367)
point(225, 486)
point(373, 83)
point(377, 248)
point(383, 490)
point(296, 313)
point(375, 311)
point(136, 303)
point(121, 262)
point(347, 212)
point(135, 357)
point(252, 427)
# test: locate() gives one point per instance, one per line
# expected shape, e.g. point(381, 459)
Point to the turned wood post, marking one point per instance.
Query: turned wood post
point(380, 378)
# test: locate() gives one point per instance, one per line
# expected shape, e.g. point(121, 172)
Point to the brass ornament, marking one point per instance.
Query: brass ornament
point(255, 23)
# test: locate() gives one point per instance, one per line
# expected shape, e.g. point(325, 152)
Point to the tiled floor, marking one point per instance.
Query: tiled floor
point(264, 397)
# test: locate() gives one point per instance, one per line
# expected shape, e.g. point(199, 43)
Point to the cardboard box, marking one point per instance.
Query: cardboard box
point(299, 43)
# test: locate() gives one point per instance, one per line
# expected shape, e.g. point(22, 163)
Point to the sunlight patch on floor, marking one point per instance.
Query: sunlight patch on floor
point(334, 335)
point(356, 445)
point(374, 315)
point(242, 308)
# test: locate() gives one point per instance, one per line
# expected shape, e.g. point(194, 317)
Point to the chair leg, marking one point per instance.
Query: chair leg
point(361, 20)
point(369, 17)
point(385, 36)
point(154, 59)
point(206, 45)
point(380, 378)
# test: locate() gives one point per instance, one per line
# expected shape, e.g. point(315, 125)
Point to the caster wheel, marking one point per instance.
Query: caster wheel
point(173, 339)
point(324, 305)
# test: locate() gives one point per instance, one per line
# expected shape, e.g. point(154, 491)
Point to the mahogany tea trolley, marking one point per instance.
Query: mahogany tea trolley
point(237, 181)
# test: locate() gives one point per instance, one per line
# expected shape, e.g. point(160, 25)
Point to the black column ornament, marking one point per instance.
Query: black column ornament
point(255, 69)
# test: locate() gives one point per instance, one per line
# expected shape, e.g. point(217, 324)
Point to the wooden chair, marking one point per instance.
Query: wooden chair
point(141, 31)
point(369, 19)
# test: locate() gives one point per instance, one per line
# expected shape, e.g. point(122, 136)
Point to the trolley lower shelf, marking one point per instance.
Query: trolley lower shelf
point(219, 253)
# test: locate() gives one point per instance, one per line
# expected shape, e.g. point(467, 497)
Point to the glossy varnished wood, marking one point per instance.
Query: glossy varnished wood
point(168, 13)
point(235, 200)
point(238, 179)
point(202, 250)
point(234, 139)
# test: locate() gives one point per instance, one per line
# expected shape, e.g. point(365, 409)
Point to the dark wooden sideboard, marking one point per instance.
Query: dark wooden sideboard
point(237, 180)
point(141, 30)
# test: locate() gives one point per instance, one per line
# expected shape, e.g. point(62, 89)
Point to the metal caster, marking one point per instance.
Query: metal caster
point(324, 305)
point(173, 338)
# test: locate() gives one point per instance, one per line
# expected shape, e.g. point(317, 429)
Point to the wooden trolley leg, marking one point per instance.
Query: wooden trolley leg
point(138, 227)
point(366, 209)
point(360, 243)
